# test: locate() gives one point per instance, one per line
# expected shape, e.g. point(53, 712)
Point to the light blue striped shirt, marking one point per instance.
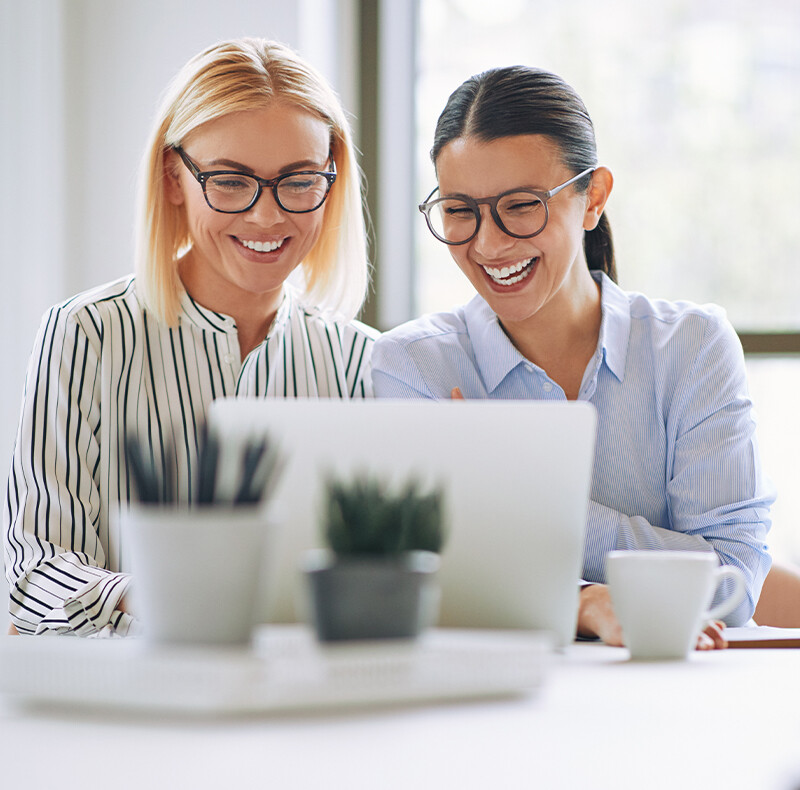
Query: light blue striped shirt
point(676, 464)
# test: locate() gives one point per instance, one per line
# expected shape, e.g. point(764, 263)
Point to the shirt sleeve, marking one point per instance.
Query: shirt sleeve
point(405, 379)
point(55, 560)
point(387, 386)
point(358, 344)
point(717, 496)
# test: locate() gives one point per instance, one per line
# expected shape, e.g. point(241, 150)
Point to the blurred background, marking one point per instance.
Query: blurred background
point(696, 105)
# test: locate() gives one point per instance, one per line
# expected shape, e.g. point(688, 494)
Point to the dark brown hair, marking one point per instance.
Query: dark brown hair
point(517, 100)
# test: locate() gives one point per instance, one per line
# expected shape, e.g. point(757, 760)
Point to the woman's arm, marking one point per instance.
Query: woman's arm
point(715, 495)
point(779, 604)
point(358, 340)
point(396, 375)
point(386, 386)
point(55, 559)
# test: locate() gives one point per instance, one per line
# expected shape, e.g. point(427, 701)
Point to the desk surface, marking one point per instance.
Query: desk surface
point(726, 719)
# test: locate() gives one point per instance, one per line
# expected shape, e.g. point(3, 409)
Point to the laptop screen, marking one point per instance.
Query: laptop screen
point(515, 474)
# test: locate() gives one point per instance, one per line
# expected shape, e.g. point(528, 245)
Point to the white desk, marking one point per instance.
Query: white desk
point(727, 719)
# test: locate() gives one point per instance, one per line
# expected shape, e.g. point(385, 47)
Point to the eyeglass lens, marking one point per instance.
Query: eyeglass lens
point(297, 192)
point(454, 220)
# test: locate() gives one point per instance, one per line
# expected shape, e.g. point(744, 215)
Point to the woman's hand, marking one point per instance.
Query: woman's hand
point(124, 605)
point(596, 618)
point(711, 637)
point(596, 615)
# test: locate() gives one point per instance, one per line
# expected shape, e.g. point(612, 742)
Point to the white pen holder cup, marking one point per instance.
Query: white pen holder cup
point(662, 599)
point(196, 572)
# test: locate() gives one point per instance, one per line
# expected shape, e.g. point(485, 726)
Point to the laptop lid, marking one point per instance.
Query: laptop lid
point(516, 478)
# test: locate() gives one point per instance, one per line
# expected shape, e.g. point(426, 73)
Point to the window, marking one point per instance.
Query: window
point(697, 112)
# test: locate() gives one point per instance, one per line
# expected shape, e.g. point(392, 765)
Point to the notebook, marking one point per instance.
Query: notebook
point(515, 474)
point(762, 636)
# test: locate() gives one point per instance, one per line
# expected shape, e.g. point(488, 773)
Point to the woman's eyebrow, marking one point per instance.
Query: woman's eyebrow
point(229, 163)
point(303, 164)
point(524, 188)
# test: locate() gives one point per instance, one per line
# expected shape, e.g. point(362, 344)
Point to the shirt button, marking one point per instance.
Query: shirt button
point(547, 386)
point(529, 367)
point(229, 358)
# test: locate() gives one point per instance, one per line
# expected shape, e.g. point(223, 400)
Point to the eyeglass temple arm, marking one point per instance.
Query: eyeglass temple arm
point(554, 192)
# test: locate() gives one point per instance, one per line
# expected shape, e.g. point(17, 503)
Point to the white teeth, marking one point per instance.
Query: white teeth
point(262, 246)
point(503, 276)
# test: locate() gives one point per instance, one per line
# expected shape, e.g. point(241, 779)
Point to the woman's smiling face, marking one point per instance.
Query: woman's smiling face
point(236, 257)
point(518, 278)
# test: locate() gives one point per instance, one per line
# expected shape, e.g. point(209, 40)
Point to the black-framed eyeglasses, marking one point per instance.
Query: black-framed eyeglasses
point(521, 213)
point(232, 192)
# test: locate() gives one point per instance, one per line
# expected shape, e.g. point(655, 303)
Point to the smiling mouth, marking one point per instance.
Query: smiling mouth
point(261, 246)
point(510, 275)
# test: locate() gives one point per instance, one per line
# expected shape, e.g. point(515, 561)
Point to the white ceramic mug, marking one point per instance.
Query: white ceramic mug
point(196, 573)
point(663, 598)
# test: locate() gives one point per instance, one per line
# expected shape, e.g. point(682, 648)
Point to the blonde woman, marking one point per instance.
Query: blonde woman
point(249, 178)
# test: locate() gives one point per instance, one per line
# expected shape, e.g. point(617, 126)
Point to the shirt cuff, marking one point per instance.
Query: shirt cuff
point(91, 609)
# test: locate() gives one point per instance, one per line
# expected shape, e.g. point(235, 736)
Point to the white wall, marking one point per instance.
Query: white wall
point(79, 83)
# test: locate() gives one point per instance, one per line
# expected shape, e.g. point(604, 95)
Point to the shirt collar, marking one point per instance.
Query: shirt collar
point(497, 356)
point(615, 325)
point(205, 318)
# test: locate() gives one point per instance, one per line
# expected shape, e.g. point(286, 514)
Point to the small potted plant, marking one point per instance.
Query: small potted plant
point(377, 578)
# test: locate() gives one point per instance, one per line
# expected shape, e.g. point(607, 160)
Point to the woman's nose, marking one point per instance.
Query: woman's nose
point(266, 209)
point(491, 238)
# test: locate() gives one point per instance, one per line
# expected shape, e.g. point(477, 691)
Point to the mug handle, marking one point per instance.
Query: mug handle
point(727, 606)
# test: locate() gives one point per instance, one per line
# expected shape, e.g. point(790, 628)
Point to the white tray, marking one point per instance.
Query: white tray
point(286, 669)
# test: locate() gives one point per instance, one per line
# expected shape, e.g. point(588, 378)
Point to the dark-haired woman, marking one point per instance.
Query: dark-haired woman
point(520, 205)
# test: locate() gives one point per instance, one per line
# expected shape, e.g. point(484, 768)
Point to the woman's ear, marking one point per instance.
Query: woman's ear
point(172, 180)
point(599, 190)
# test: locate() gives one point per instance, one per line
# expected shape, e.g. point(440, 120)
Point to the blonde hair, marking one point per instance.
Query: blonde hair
point(246, 74)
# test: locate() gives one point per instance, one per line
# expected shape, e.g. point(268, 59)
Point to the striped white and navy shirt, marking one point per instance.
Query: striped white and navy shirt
point(676, 463)
point(103, 366)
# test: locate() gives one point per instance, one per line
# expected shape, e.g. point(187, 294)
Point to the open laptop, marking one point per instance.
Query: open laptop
point(516, 478)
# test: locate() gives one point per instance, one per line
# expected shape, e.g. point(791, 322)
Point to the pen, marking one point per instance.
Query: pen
point(207, 467)
point(247, 492)
point(143, 474)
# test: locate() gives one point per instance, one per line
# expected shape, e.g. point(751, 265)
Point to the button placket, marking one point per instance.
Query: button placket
point(231, 357)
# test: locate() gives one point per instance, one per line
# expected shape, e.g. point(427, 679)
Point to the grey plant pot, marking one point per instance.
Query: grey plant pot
point(372, 597)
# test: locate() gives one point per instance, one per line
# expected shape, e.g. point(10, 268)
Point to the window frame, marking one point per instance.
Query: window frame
point(388, 32)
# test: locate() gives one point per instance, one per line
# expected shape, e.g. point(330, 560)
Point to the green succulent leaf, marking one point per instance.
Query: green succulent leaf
point(363, 516)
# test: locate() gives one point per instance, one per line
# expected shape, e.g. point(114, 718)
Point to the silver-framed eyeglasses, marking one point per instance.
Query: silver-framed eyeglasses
point(232, 191)
point(521, 212)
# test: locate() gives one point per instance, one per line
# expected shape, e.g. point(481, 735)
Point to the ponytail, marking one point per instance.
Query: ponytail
point(598, 244)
